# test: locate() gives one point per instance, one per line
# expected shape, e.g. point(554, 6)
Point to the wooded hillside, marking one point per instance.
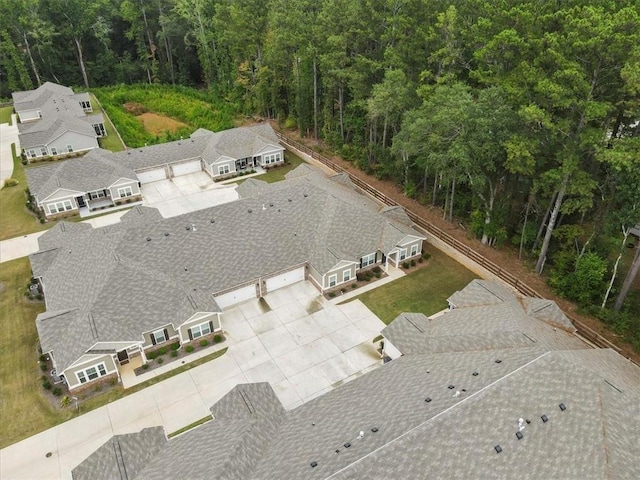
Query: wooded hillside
point(518, 118)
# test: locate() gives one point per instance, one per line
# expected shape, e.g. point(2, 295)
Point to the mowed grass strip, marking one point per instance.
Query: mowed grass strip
point(111, 142)
point(23, 409)
point(5, 114)
point(277, 174)
point(423, 290)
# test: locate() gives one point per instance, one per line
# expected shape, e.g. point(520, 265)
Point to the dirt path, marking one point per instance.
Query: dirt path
point(506, 258)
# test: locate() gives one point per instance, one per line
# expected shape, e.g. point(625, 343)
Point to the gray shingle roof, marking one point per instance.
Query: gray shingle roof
point(33, 99)
point(548, 311)
point(148, 268)
point(122, 457)
point(44, 131)
point(95, 171)
point(482, 292)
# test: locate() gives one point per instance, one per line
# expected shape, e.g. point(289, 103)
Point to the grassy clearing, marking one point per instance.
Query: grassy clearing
point(424, 290)
point(192, 107)
point(190, 426)
point(24, 410)
point(16, 219)
point(5, 114)
point(111, 142)
point(158, 124)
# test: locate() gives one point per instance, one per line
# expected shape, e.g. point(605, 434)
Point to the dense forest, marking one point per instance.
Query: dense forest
point(521, 118)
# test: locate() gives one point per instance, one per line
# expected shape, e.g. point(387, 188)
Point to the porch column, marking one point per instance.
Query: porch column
point(144, 357)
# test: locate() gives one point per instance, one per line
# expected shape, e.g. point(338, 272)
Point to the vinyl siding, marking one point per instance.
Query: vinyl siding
point(78, 141)
point(147, 335)
point(70, 373)
point(197, 320)
point(135, 190)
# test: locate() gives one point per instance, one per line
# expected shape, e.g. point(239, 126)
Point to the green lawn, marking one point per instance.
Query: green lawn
point(15, 218)
point(424, 290)
point(5, 114)
point(277, 174)
point(24, 410)
point(111, 141)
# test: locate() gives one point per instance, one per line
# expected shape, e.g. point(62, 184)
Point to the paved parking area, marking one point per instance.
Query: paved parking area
point(299, 342)
point(186, 193)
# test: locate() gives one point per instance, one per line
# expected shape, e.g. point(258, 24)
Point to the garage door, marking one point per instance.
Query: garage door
point(152, 175)
point(285, 279)
point(185, 168)
point(236, 296)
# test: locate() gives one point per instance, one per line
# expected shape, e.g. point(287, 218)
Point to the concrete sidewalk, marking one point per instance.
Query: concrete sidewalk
point(304, 346)
point(8, 135)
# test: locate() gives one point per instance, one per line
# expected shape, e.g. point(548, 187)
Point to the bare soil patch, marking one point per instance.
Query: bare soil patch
point(158, 124)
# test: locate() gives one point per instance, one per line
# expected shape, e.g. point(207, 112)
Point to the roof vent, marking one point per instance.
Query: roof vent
point(544, 418)
point(186, 269)
point(337, 450)
point(288, 199)
point(249, 210)
point(166, 234)
point(519, 435)
point(271, 204)
point(148, 239)
point(428, 399)
point(188, 227)
point(498, 448)
point(475, 374)
point(374, 429)
point(128, 153)
point(305, 195)
point(562, 406)
point(347, 445)
point(498, 361)
point(314, 464)
point(213, 221)
point(451, 387)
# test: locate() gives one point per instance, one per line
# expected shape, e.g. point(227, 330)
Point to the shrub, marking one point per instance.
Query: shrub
point(65, 401)
point(426, 256)
point(46, 385)
point(376, 269)
point(189, 348)
point(57, 391)
point(378, 275)
point(354, 285)
point(152, 355)
point(332, 294)
point(159, 360)
point(43, 367)
point(162, 351)
point(217, 338)
point(420, 260)
point(174, 353)
point(203, 343)
point(342, 290)
point(43, 358)
point(405, 265)
point(113, 382)
point(97, 388)
point(10, 182)
point(145, 366)
point(175, 346)
point(413, 263)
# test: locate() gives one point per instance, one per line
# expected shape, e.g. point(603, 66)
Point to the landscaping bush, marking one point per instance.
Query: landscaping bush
point(46, 385)
point(152, 355)
point(420, 260)
point(159, 360)
point(145, 366)
point(57, 391)
point(332, 294)
point(378, 275)
point(175, 346)
point(203, 343)
point(405, 265)
point(342, 290)
point(217, 338)
point(354, 285)
point(43, 367)
point(43, 358)
point(413, 263)
point(189, 348)
point(426, 256)
point(162, 351)
point(376, 269)
point(174, 353)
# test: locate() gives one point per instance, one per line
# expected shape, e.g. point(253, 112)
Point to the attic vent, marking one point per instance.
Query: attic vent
point(289, 200)
point(347, 445)
point(498, 448)
point(544, 418)
point(475, 374)
point(166, 234)
point(188, 227)
point(498, 361)
point(314, 464)
point(562, 406)
point(428, 399)
point(148, 239)
point(451, 387)
point(213, 221)
point(305, 195)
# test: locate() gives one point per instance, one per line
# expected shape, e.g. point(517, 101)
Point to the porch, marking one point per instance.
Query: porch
point(104, 206)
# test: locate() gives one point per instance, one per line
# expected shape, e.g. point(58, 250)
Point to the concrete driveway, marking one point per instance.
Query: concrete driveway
point(8, 135)
point(186, 193)
point(300, 343)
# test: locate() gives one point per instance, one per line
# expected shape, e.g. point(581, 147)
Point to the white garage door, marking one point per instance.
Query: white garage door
point(152, 175)
point(285, 279)
point(236, 296)
point(186, 168)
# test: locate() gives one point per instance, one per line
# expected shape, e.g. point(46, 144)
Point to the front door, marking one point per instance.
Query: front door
point(123, 357)
point(81, 202)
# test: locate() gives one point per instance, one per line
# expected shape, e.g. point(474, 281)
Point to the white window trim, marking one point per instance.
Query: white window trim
point(402, 254)
point(122, 192)
point(85, 375)
point(368, 260)
point(43, 151)
point(54, 151)
point(66, 204)
point(32, 153)
point(223, 169)
point(95, 195)
point(346, 275)
point(199, 327)
point(69, 148)
point(335, 280)
point(414, 250)
point(161, 334)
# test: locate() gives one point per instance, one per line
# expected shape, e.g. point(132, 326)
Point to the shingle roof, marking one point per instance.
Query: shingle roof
point(548, 311)
point(95, 171)
point(44, 131)
point(155, 268)
point(33, 99)
point(482, 292)
point(122, 457)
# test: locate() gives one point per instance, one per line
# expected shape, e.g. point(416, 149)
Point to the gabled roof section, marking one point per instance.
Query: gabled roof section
point(48, 129)
point(396, 213)
point(34, 99)
point(247, 400)
point(547, 311)
point(122, 457)
point(482, 292)
point(201, 132)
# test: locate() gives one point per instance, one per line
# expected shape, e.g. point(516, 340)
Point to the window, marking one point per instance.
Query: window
point(69, 148)
point(91, 373)
point(97, 194)
point(32, 153)
point(60, 206)
point(159, 336)
point(333, 280)
point(125, 192)
point(414, 250)
point(54, 151)
point(200, 330)
point(86, 105)
point(272, 158)
point(99, 129)
point(403, 254)
point(346, 275)
point(223, 169)
point(43, 150)
point(368, 260)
